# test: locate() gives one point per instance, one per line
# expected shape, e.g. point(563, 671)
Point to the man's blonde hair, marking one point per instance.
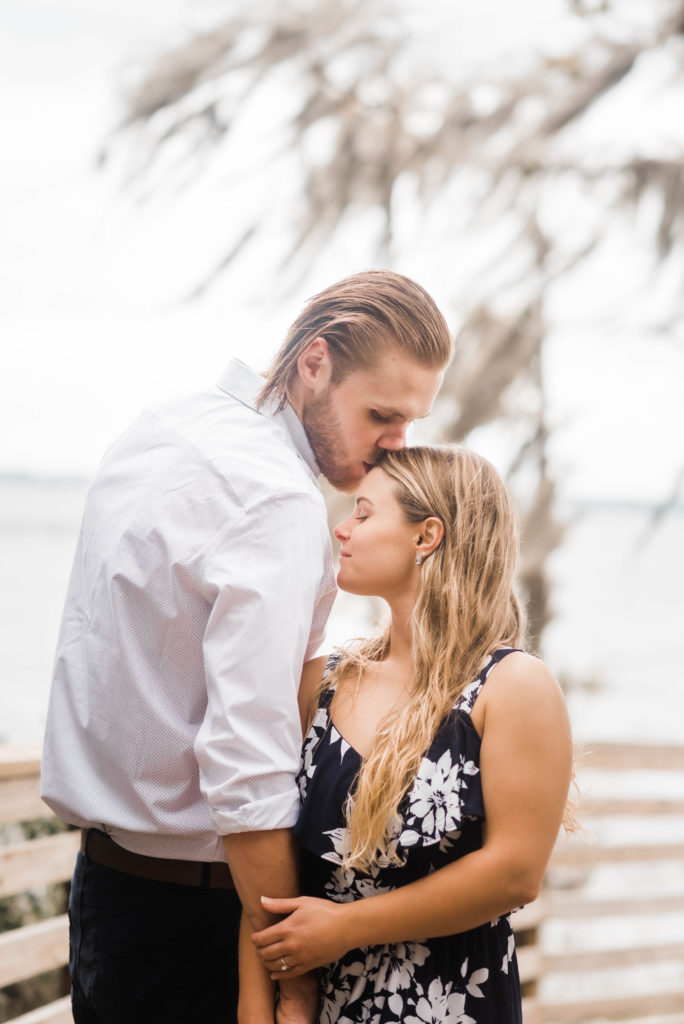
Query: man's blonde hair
point(360, 317)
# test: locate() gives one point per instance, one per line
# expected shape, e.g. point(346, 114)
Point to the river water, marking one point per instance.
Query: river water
point(616, 643)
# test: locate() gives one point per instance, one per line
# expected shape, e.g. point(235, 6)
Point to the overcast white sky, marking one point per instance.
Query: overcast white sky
point(91, 322)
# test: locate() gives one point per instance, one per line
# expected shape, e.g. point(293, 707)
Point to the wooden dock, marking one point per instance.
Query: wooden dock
point(618, 895)
point(570, 983)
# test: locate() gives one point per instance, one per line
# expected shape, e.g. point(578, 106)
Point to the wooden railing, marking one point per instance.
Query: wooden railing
point(595, 982)
point(545, 970)
point(32, 949)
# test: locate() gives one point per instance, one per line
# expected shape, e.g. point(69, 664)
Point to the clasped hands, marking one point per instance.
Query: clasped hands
point(312, 934)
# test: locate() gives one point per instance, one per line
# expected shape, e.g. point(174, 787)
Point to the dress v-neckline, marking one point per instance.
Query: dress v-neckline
point(344, 739)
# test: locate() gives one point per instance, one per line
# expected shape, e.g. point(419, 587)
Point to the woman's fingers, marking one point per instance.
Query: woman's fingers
point(276, 956)
point(276, 966)
point(280, 906)
point(311, 935)
point(293, 972)
point(272, 955)
point(274, 933)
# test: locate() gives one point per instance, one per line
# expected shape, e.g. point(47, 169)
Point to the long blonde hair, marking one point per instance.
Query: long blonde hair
point(466, 608)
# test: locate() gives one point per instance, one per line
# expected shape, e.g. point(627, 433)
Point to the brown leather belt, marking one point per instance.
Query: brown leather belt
point(101, 849)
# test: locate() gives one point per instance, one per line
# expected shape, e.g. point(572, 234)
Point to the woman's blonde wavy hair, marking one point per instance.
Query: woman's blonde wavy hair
point(466, 608)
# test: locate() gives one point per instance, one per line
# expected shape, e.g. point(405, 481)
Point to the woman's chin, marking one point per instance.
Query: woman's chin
point(343, 585)
point(357, 587)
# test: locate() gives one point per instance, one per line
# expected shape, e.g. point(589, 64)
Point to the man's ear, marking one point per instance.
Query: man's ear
point(430, 536)
point(315, 366)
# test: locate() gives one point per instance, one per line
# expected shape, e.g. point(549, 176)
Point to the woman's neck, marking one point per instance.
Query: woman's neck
point(401, 638)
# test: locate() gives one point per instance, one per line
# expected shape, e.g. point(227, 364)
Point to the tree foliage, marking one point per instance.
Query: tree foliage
point(376, 127)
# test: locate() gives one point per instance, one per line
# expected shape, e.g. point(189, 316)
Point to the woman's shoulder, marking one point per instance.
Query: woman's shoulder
point(516, 670)
point(510, 675)
point(521, 693)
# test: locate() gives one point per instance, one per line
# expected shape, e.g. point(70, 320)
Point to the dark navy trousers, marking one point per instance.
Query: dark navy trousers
point(144, 951)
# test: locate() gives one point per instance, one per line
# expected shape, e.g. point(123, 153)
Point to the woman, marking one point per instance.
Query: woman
point(436, 763)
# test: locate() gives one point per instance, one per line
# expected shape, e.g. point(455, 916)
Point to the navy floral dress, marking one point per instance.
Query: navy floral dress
point(468, 978)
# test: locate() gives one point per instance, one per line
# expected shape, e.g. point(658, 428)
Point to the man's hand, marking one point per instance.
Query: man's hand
point(314, 933)
point(299, 1001)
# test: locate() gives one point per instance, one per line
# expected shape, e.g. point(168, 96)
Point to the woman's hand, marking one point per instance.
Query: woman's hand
point(315, 932)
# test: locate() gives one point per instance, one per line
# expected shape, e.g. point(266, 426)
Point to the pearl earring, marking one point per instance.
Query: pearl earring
point(418, 560)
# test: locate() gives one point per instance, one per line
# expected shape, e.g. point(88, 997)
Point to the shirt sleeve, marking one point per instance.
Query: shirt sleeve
point(271, 577)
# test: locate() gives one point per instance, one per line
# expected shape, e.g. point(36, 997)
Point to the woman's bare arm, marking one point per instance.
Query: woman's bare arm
point(311, 677)
point(526, 765)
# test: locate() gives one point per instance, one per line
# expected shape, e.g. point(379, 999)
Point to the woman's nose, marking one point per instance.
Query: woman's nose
point(341, 531)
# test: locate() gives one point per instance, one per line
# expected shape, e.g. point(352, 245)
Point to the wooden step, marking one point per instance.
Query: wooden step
point(58, 1012)
point(572, 905)
point(27, 951)
point(631, 756)
point(38, 862)
point(622, 1008)
point(19, 759)
point(602, 958)
point(618, 806)
point(20, 800)
point(581, 854)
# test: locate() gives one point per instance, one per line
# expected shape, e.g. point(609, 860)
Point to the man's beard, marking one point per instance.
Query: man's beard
point(327, 442)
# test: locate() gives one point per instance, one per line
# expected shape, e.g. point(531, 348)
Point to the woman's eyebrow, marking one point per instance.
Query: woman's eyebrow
point(360, 498)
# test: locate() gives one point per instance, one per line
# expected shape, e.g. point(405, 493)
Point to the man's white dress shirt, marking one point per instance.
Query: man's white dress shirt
point(202, 582)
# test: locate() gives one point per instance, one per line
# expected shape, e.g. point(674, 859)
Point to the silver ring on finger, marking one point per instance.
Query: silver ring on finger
point(285, 966)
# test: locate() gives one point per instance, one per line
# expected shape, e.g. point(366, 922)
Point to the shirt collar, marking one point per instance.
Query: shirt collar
point(242, 383)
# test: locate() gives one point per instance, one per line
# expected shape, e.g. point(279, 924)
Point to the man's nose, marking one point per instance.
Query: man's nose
point(393, 440)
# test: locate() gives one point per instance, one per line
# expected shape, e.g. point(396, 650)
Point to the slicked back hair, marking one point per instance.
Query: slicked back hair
point(360, 317)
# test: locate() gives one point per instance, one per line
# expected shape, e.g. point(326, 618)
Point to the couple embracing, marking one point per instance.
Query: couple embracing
point(269, 835)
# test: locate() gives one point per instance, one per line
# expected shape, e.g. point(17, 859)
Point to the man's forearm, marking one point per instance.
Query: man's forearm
point(262, 863)
point(258, 861)
point(257, 991)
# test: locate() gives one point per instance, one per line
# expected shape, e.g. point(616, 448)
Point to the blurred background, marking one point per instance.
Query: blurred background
point(178, 177)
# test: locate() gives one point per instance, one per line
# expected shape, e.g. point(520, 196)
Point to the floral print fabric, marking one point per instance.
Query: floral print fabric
point(468, 978)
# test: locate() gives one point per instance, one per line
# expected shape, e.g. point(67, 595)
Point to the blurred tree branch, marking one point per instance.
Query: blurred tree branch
point(368, 119)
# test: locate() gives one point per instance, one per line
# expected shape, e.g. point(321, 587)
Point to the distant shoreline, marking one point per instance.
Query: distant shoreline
point(564, 505)
point(44, 480)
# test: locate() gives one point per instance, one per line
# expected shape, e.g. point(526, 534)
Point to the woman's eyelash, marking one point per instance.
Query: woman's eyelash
point(360, 517)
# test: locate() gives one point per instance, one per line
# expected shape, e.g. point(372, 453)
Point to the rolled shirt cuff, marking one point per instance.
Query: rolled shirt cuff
point(279, 811)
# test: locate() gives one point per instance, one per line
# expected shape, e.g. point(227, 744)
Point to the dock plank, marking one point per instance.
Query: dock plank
point(33, 949)
point(38, 862)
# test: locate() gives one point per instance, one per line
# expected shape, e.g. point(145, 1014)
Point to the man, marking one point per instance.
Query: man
point(201, 585)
